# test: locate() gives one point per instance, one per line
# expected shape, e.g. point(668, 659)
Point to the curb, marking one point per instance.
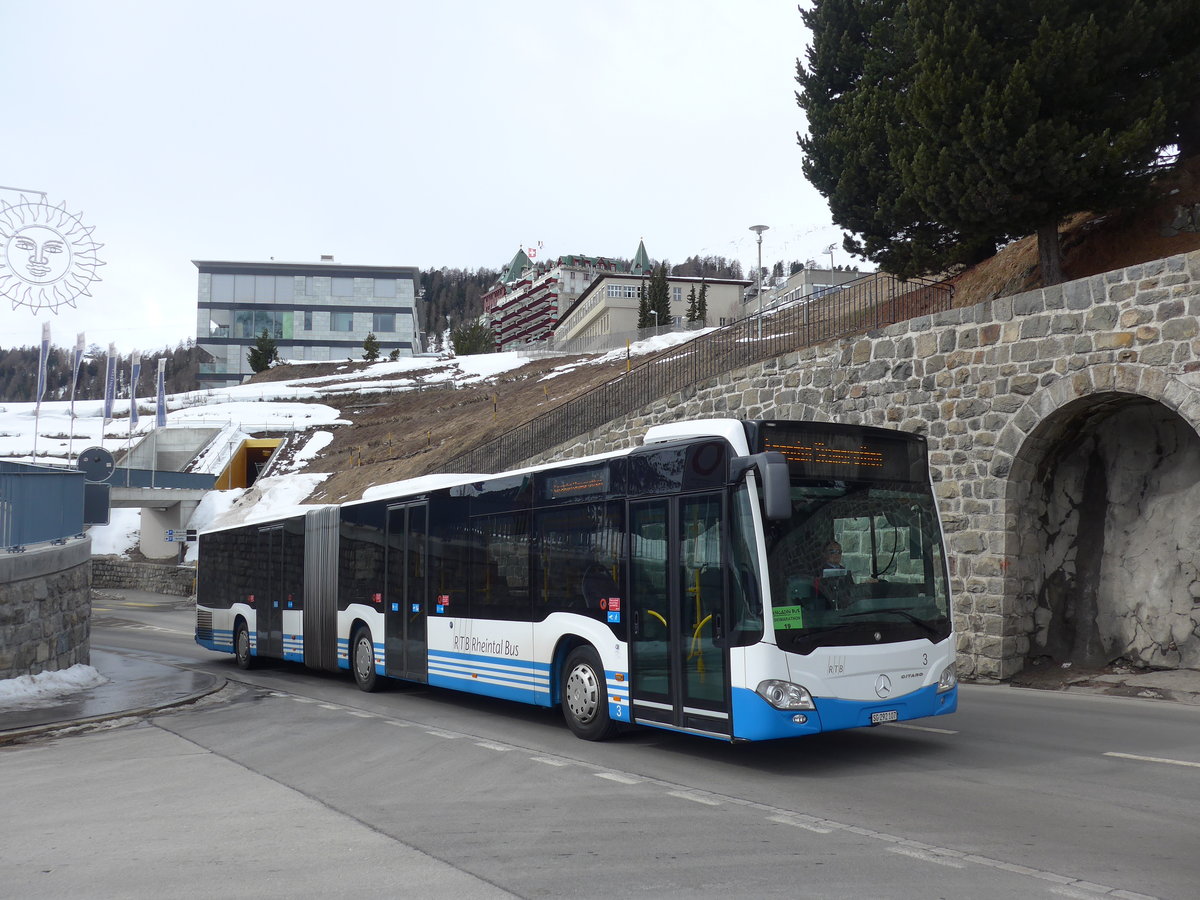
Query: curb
point(19, 734)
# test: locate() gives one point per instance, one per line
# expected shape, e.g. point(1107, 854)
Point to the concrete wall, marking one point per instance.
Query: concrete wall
point(1063, 431)
point(45, 608)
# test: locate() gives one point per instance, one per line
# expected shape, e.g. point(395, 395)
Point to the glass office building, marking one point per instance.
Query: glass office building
point(313, 311)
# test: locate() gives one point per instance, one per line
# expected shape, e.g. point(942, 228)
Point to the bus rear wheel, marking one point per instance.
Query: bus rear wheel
point(362, 660)
point(585, 696)
point(241, 646)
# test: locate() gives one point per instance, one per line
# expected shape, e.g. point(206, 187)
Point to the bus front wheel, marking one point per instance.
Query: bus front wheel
point(585, 696)
point(362, 660)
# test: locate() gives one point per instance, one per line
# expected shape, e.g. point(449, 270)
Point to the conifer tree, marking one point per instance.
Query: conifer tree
point(659, 300)
point(371, 347)
point(263, 354)
point(702, 304)
point(473, 337)
point(939, 128)
point(691, 307)
point(644, 320)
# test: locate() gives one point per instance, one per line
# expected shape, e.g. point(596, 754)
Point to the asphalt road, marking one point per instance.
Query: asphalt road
point(294, 783)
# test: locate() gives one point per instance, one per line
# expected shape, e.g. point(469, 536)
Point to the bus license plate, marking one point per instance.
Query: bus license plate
point(887, 716)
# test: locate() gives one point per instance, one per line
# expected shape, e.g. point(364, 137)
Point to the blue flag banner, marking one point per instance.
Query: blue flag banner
point(135, 369)
point(160, 414)
point(110, 383)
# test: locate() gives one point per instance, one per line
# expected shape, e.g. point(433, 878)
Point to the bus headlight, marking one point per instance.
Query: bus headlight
point(785, 695)
point(948, 679)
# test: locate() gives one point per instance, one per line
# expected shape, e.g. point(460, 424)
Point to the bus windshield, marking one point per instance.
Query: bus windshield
point(857, 563)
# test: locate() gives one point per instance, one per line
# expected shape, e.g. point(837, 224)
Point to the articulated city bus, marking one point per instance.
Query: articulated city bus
point(692, 584)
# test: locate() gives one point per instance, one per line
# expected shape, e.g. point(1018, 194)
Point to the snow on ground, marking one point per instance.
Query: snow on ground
point(119, 536)
point(29, 691)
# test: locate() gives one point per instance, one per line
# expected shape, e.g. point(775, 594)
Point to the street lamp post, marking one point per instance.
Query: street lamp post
point(759, 229)
point(654, 312)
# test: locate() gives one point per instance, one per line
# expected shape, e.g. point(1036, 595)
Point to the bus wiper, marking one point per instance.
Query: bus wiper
point(898, 612)
point(814, 633)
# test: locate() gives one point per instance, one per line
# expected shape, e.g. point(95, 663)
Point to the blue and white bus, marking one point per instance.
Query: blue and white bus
point(681, 584)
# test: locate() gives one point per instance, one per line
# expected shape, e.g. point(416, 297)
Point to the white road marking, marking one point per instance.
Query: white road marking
point(805, 822)
point(1155, 759)
point(442, 734)
point(696, 797)
point(926, 856)
point(547, 760)
point(488, 745)
point(617, 777)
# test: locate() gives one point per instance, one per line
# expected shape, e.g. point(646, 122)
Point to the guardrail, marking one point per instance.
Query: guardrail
point(859, 306)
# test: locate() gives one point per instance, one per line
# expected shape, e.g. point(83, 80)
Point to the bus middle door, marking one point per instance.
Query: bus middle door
point(679, 666)
point(406, 648)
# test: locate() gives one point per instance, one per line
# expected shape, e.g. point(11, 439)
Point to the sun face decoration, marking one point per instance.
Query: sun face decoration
point(47, 256)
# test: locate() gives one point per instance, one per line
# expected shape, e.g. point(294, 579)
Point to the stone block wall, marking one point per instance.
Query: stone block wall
point(114, 573)
point(998, 388)
point(45, 608)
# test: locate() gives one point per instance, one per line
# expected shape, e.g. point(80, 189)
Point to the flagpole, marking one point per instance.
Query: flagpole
point(135, 369)
point(78, 359)
point(110, 390)
point(160, 413)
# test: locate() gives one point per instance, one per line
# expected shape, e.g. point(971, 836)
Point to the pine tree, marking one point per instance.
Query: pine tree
point(659, 299)
point(1014, 122)
point(263, 354)
point(702, 304)
point(937, 129)
point(848, 92)
point(644, 320)
point(473, 337)
point(691, 307)
point(371, 347)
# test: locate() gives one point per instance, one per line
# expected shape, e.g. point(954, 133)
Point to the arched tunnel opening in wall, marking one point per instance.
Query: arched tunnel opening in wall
point(1107, 536)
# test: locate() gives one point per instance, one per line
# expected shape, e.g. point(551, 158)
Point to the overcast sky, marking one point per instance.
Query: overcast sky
point(443, 133)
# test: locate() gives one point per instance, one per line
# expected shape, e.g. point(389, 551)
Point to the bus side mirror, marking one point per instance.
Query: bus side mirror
point(772, 470)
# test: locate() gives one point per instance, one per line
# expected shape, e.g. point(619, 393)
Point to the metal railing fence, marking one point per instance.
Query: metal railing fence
point(859, 306)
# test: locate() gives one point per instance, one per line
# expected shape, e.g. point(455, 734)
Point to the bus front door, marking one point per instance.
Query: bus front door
point(404, 612)
point(679, 666)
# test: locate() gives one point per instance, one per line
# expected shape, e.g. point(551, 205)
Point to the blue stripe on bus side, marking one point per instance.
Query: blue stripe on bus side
point(618, 685)
point(221, 641)
point(523, 680)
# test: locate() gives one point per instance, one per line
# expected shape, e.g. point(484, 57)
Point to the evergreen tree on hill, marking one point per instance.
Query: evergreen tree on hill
point(263, 354)
point(659, 299)
point(937, 129)
point(644, 320)
point(371, 347)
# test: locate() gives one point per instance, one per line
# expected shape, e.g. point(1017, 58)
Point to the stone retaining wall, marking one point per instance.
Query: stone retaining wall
point(45, 608)
point(114, 573)
point(1006, 391)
